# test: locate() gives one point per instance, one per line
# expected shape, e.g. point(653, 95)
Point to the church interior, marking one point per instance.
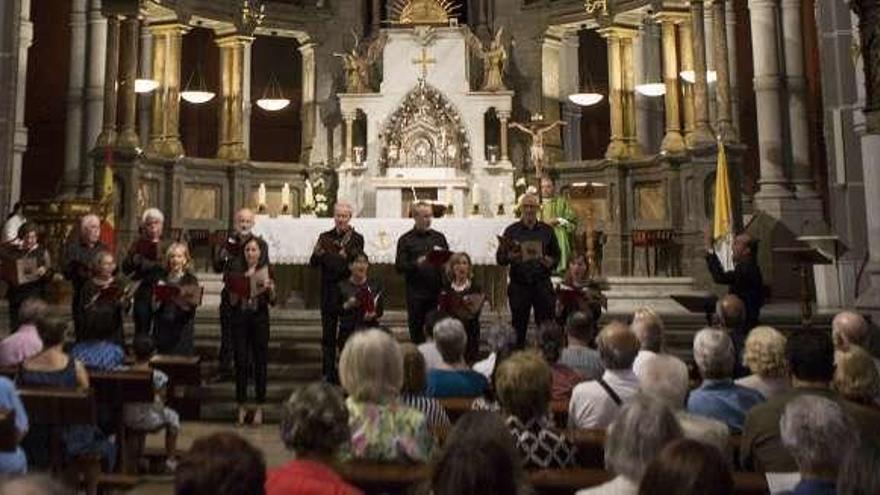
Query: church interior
point(248, 188)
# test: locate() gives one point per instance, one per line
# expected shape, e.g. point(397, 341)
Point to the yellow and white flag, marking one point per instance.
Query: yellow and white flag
point(722, 235)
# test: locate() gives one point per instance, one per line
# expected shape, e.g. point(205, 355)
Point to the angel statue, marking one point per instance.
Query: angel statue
point(356, 63)
point(494, 59)
point(536, 130)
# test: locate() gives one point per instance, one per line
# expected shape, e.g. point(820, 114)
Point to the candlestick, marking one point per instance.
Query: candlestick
point(261, 195)
point(285, 195)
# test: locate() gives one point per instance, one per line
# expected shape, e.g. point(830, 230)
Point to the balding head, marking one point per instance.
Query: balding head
point(529, 205)
point(244, 221)
point(731, 312)
point(90, 228)
point(742, 248)
point(618, 346)
point(849, 328)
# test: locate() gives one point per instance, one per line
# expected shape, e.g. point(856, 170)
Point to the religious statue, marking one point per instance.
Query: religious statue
point(494, 59)
point(557, 212)
point(536, 130)
point(356, 63)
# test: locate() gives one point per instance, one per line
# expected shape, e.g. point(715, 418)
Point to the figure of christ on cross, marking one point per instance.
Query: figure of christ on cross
point(424, 61)
point(536, 130)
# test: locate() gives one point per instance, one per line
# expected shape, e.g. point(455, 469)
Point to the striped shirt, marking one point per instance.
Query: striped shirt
point(431, 408)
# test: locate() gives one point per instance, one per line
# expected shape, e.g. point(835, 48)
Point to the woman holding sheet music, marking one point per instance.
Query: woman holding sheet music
point(462, 298)
point(175, 298)
point(251, 292)
point(105, 299)
point(361, 300)
point(144, 263)
point(26, 268)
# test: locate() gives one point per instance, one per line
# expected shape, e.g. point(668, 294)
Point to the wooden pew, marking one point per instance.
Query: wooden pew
point(184, 383)
point(590, 447)
point(565, 481)
point(458, 406)
point(113, 389)
point(379, 478)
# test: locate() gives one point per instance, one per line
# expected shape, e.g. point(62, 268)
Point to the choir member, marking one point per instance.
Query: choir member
point(529, 246)
point(361, 299)
point(105, 298)
point(27, 270)
point(557, 212)
point(576, 292)
point(79, 254)
point(423, 274)
point(144, 264)
point(176, 296)
point(331, 255)
point(462, 298)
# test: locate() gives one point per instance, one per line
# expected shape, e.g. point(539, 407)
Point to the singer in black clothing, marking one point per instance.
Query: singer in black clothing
point(530, 248)
point(745, 279)
point(332, 254)
point(462, 298)
point(145, 263)
point(423, 279)
point(361, 300)
point(76, 265)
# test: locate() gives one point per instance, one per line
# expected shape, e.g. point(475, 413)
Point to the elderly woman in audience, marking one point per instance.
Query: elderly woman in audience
point(25, 342)
point(564, 377)
point(595, 404)
point(501, 340)
point(523, 386)
point(859, 472)
point(718, 396)
point(648, 328)
point(221, 464)
point(764, 355)
point(428, 348)
point(817, 433)
point(479, 458)
point(382, 429)
point(856, 377)
point(577, 354)
point(661, 381)
point(413, 391)
point(12, 458)
point(453, 378)
point(314, 426)
point(688, 467)
point(641, 429)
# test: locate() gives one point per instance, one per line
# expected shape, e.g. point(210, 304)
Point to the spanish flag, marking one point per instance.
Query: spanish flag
point(106, 203)
point(722, 235)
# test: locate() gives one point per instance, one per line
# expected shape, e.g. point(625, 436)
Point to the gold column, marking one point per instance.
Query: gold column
point(616, 147)
point(349, 137)
point(725, 126)
point(164, 127)
point(703, 134)
point(111, 75)
point(231, 145)
point(628, 96)
point(672, 141)
point(128, 137)
point(686, 51)
point(503, 118)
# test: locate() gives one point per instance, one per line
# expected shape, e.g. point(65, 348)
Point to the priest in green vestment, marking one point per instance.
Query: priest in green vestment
point(557, 212)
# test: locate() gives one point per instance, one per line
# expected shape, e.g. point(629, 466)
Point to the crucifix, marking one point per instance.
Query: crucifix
point(424, 61)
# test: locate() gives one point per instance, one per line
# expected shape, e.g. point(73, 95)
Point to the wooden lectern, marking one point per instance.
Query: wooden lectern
point(804, 257)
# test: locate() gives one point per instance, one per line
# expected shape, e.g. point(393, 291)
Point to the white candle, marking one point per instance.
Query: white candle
point(448, 195)
point(285, 195)
point(475, 194)
point(309, 195)
point(261, 195)
point(500, 199)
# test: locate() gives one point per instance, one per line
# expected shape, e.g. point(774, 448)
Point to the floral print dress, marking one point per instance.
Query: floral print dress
point(387, 432)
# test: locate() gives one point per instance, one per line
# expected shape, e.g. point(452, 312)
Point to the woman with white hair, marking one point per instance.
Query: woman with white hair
point(382, 429)
point(144, 263)
point(642, 428)
point(453, 377)
point(764, 355)
point(818, 434)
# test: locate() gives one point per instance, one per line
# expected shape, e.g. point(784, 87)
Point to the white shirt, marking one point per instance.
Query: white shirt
point(10, 228)
point(620, 485)
point(592, 407)
point(432, 356)
point(643, 357)
point(486, 367)
point(768, 387)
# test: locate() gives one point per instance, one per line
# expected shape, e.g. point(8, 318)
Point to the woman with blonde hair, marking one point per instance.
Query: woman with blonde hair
point(764, 355)
point(175, 298)
point(856, 377)
point(462, 298)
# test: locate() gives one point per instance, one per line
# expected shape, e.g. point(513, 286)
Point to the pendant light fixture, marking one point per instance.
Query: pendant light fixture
point(588, 96)
point(690, 76)
point(273, 98)
point(198, 93)
point(652, 84)
point(142, 86)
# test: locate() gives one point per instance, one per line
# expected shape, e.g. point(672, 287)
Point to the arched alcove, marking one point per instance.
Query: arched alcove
point(199, 123)
point(276, 136)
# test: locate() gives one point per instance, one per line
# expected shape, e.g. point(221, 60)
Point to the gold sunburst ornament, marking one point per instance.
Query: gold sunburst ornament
point(414, 12)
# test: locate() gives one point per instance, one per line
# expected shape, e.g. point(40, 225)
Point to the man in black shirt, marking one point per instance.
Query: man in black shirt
point(745, 280)
point(77, 260)
point(423, 280)
point(332, 253)
point(531, 250)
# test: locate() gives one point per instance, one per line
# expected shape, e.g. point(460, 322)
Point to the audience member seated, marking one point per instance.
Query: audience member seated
point(648, 328)
point(523, 386)
point(32, 484)
point(564, 377)
point(53, 368)
point(595, 404)
point(25, 342)
point(859, 470)
point(817, 433)
point(848, 328)
point(501, 340)
point(314, 426)
point(150, 417)
point(661, 381)
point(810, 362)
point(413, 392)
point(688, 467)
point(855, 376)
point(577, 354)
point(428, 348)
point(718, 397)
point(478, 458)
point(730, 316)
point(382, 429)
point(99, 350)
point(453, 377)
point(14, 461)
point(764, 356)
point(641, 430)
point(221, 464)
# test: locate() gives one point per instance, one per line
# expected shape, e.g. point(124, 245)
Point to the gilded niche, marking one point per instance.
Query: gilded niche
point(412, 12)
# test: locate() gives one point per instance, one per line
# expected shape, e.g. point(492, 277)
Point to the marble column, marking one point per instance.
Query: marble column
point(568, 83)
point(709, 43)
point(73, 153)
point(724, 120)
point(703, 134)
point(793, 45)
point(145, 71)
point(772, 183)
point(246, 102)
point(165, 127)
point(111, 89)
point(348, 156)
point(686, 52)
point(617, 148)
point(648, 65)
point(128, 137)
point(309, 107)
point(94, 105)
point(503, 119)
point(16, 36)
point(730, 17)
point(673, 142)
point(231, 143)
point(628, 95)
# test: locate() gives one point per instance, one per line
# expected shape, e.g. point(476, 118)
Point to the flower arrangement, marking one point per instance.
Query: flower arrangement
point(315, 201)
point(521, 187)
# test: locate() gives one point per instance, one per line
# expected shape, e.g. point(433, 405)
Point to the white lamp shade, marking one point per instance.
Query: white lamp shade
point(273, 104)
point(585, 99)
point(197, 97)
point(145, 85)
point(691, 77)
point(651, 89)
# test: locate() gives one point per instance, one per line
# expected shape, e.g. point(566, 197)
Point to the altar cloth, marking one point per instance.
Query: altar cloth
point(291, 240)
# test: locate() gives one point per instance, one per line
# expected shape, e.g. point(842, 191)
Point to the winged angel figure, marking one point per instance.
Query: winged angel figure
point(356, 63)
point(494, 59)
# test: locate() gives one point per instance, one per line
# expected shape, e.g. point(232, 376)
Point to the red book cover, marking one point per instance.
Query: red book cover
point(239, 285)
point(166, 293)
point(110, 294)
point(148, 249)
point(367, 299)
point(438, 256)
point(569, 296)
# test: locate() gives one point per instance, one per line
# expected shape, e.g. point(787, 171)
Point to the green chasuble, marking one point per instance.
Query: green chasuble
point(559, 208)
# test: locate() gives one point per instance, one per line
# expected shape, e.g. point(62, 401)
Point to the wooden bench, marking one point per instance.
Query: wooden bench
point(457, 406)
point(184, 383)
point(380, 478)
point(113, 389)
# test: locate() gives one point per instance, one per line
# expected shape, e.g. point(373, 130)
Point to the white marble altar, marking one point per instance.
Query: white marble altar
point(425, 129)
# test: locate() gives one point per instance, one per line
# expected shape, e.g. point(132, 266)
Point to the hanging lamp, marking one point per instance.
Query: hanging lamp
point(142, 86)
point(273, 98)
point(587, 97)
point(199, 93)
point(690, 76)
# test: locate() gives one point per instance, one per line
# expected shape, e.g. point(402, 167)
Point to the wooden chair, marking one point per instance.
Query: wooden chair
point(184, 383)
point(112, 390)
